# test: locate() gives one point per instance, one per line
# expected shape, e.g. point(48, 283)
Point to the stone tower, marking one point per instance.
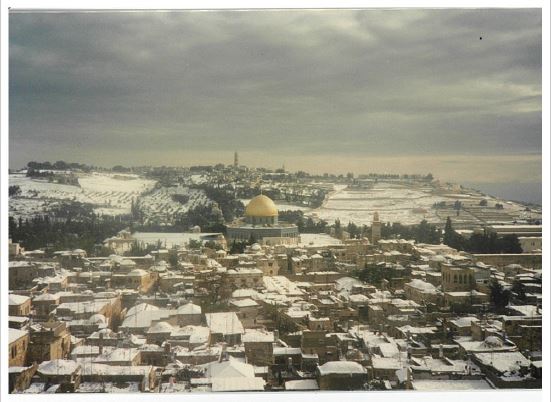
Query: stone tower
point(375, 229)
point(235, 160)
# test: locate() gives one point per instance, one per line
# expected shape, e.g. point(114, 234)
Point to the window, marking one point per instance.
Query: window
point(454, 278)
point(13, 352)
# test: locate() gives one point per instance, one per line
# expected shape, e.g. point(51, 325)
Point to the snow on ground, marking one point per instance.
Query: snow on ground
point(160, 207)
point(110, 193)
point(198, 178)
point(318, 239)
point(408, 205)
point(282, 206)
point(393, 203)
point(451, 385)
point(168, 240)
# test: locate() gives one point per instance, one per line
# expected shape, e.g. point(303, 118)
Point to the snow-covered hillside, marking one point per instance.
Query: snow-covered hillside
point(110, 194)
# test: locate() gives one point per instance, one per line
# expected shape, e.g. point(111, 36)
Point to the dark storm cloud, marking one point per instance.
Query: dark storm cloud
point(292, 82)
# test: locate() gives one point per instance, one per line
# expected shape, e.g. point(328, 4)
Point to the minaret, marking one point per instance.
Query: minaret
point(235, 160)
point(375, 229)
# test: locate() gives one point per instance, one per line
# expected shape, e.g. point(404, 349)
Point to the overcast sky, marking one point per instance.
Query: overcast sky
point(321, 90)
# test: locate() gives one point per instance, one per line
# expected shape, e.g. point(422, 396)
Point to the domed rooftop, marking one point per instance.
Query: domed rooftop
point(97, 319)
point(493, 342)
point(160, 327)
point(261, 206)
point(189, 308)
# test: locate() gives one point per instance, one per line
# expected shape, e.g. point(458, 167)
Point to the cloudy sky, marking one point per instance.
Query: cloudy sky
point(361, 90)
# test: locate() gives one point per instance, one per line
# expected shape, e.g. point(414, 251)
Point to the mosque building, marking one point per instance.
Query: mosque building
point(261, 224)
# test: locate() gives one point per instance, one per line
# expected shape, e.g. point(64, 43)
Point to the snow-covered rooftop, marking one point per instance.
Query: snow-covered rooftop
point(58, 367)
point(341, 367)
point(302, 385)
point(189, 308)
point(253, 335)
point(450, 385)
point(15, 334)
point(226, 323)
point(16, 300)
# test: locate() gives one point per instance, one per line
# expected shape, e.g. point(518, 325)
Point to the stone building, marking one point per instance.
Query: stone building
point(66, 373)
point(49, 341)
point(19, 305)
point(457, 278)
point(259, 348)
point(341, 376)
point(261, 224)
point(18, 346)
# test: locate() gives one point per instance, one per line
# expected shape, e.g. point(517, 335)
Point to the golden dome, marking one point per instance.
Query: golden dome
point(261, 206)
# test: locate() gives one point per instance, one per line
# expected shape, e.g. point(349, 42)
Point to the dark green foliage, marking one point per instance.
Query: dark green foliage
point(252, 240)
point(173, 258)
point(451, 237)
point(138, 249)
point(481, 243)
point(439, 205)
point(291, 216)
point(375, 273)
point(14, 191)
point(207, 217)
point(69, 179)
point(181, 198)
point(230, 206)
point(213, 245)
point(499, 295)
point(59, 165)
point(195, 244)
point(424, 232)
point(518, 290)
point(304, 224)
point(355, 231)
point(120, 169)
point(483, 203)
point(72, 225)
point(509, 244)
point(237, 247)
point(490, 243)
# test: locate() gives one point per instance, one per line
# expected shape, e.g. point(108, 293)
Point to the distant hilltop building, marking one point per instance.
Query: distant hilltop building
point(261, 225)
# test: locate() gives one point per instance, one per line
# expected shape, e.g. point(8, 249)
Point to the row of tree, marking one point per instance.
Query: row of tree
point(304, 224)
point(374, 274)
point(70, 226)
point(59, 165)
point(487, 242)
